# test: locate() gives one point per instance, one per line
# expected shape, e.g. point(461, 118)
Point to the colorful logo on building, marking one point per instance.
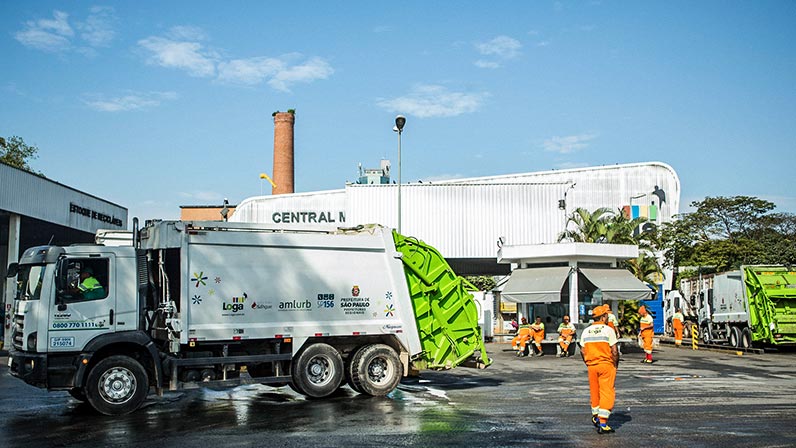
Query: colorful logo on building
point(355, 291)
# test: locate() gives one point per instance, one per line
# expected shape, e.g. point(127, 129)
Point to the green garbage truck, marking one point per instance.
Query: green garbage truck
point(192, 303)
point(755, 305)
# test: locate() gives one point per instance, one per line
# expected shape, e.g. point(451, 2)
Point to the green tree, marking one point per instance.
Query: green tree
point(482, 282)
point(15, 152)
point(590, 227)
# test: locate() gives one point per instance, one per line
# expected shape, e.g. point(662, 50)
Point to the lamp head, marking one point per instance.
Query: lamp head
point(400, 121)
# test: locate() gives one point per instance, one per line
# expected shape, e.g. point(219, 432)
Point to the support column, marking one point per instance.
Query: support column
point(10, 284)
point(574, 312)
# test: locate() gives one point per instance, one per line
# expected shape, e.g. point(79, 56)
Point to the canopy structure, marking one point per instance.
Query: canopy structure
point(536, 285)
point(617, 284)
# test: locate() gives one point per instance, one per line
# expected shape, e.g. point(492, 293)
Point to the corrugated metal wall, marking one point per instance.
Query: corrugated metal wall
point(272, 209)
point(464, 218)
point(30, 195)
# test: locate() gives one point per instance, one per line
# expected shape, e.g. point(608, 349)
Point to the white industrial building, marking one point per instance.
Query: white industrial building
point(469, 220)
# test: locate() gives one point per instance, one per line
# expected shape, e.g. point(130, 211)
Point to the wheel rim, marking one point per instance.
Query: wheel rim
point(319, 370)
point(117, 385)
point(380, 371)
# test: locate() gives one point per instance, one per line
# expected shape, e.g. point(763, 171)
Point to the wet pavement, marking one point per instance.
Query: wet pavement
point(687, 398)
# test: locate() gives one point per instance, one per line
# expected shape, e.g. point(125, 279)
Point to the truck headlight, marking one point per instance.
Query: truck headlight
point(32, 340)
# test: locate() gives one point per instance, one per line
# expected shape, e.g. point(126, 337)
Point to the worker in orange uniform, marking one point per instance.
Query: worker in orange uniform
point(613, 322)
point(537, 331)
point(645, 333)
point(566, 331)
point(523, 336)
point(598, 348)
point(677, 324)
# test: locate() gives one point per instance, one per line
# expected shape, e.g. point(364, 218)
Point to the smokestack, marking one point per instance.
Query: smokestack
point(283, 152)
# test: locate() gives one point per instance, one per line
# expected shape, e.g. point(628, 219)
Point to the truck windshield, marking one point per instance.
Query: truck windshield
point(29, 281)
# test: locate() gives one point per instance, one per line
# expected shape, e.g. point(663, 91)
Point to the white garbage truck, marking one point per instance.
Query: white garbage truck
point(193, 303)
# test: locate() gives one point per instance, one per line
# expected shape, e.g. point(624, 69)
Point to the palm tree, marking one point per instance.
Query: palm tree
point(590, 227)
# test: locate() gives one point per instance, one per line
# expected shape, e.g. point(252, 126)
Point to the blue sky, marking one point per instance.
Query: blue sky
point(153, 105)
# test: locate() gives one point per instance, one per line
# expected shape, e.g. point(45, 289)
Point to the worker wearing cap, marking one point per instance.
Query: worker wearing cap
point(677, 324)
point(89, 287)
point(523, 336)
point(537, 331)
point(566, 331)
point(598, 348)
point(645, 333)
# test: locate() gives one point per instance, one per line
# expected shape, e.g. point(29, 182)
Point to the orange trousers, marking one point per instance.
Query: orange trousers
point(521, 340)
point(601, 390)
point(538, 337)
point(646, 339)
point(564, 340)
point(678, 331)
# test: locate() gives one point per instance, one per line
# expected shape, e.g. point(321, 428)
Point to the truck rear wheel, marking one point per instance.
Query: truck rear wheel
point(78, 394)
point(376, 370)
point(735, 337)
point(318, 370)
point(349, 370)
point(746, 338)
point(117, 385)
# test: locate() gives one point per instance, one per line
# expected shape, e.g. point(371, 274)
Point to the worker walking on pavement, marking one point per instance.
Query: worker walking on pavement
point(645, 333)
point(598, 348)
point(520, 341)
point(613, 322)
point(677, 324)
point(537, 331)
point(566, 331)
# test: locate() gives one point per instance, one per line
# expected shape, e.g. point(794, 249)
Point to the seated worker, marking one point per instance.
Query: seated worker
point(523, 336)
point(566, 331)
point(537, 331)
point(89, 287)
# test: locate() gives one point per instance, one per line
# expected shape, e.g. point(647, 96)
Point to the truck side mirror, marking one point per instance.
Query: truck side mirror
point(13, 269)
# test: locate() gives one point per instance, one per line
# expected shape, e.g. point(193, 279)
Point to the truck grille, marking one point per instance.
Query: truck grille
point(16, 336)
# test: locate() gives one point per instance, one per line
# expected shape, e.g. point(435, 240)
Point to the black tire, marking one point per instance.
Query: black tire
point(349, 372)
point(706, 337)
point(735, 337)
point(117, 385)
point(318, 370)
point(746, 338)
point(377, 370)
point(78, 394)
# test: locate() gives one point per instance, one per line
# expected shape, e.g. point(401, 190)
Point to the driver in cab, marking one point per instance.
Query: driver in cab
point(89, 287)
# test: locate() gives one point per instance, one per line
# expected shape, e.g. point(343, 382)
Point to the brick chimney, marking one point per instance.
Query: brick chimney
point(283, 152)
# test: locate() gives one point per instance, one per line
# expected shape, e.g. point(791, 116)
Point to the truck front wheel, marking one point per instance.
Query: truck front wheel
point(376, 370)
point(117, 385)
point(318, 370)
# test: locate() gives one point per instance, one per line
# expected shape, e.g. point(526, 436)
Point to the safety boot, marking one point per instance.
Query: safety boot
point(604, 429)
point(595, 421)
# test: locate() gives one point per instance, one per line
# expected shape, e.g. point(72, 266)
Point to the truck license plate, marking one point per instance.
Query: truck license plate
point(62, 342)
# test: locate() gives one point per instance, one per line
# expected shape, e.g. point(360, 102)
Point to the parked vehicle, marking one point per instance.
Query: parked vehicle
point(755, 305)
point(192, 303)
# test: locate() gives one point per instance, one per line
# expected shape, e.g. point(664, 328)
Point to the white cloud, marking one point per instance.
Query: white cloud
point(486, 64)
point(186, 32)
point(315, 68)
point(249, 71)
point(131, 101)
point(188, 56)
point(51, 35)
point(502, 46)
point(568, 144)
point(427, 101)
point(98, 28)
point(543, 43)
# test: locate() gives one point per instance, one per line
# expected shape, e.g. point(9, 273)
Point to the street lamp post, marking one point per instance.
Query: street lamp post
point(400, 121)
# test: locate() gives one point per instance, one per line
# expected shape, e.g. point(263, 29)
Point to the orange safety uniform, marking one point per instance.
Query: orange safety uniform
point(677, 324)
point(597, 342)
point(537, 331)
point(566, 331)
point(645, 333)
point(613, 322)
point(521, 340)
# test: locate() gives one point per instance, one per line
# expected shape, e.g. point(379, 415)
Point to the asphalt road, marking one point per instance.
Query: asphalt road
point(687, 398)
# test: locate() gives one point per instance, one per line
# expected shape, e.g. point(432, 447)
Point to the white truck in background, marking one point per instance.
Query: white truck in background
point(198, 302)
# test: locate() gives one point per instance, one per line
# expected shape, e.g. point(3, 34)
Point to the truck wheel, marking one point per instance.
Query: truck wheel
point(706, 339)
point(746, 338)
point(117, 385)
point(376, 370)
point(735, 337)
point(78, 394)
point(349, 370)
point(318, 370)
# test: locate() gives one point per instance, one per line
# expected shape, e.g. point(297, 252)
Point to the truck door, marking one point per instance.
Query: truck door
point(84, 302)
